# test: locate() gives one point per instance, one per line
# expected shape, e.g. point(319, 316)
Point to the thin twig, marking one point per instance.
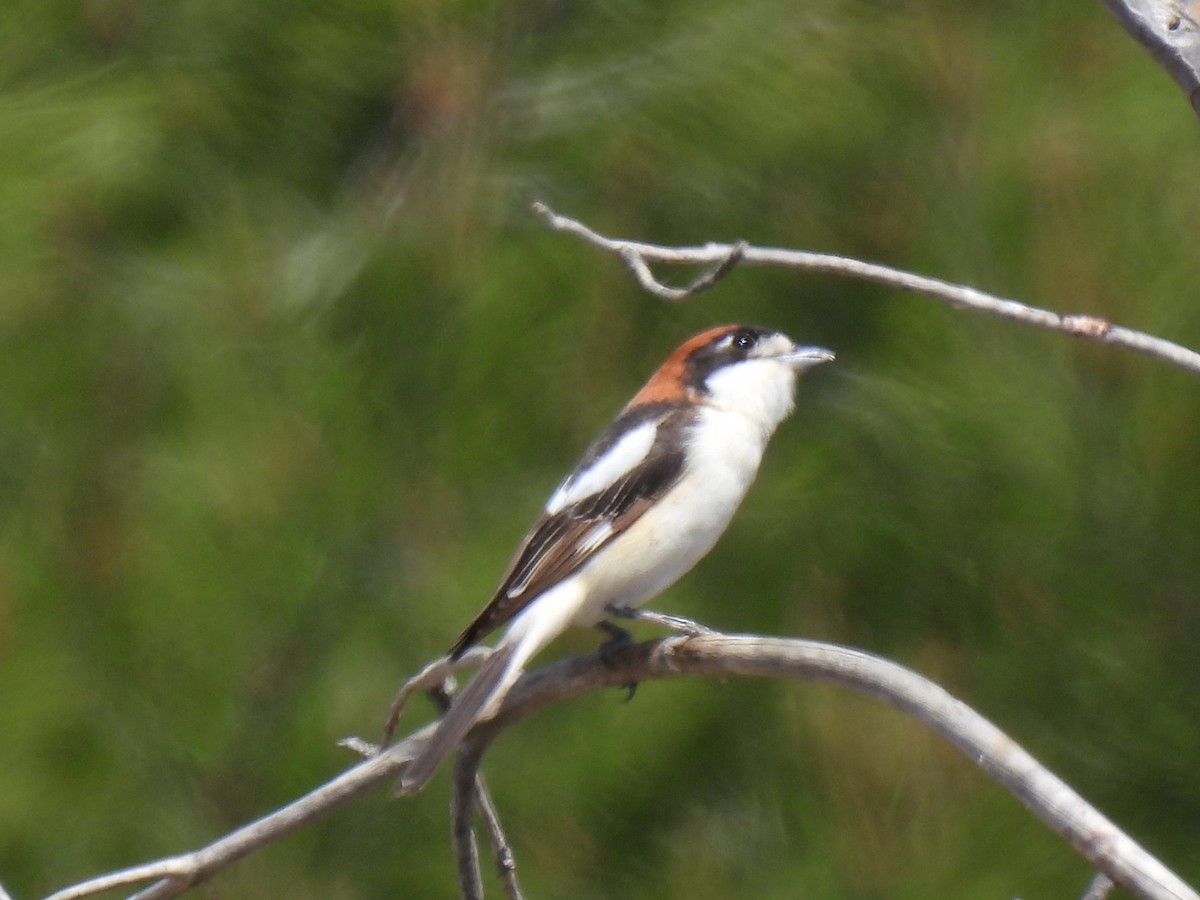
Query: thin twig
point(725, 256)
point(468, 794)
point(462, 835)
point(506, 863)
point(434, 678)
point(646, 278)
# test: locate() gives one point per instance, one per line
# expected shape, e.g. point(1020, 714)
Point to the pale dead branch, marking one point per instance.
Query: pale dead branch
point(1096, 838)
point(638, 256)
point(506, 863)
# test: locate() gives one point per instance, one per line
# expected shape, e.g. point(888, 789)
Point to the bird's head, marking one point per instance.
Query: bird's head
point(741, 368)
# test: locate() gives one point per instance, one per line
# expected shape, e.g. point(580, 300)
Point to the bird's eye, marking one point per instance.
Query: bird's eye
point(743, 341)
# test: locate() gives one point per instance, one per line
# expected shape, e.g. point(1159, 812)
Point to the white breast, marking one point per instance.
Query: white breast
point(672, 536)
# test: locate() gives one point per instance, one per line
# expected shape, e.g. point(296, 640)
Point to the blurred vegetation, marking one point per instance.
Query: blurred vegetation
point(286, 369)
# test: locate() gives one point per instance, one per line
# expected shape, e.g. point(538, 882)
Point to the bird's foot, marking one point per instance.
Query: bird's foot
point(618, 638)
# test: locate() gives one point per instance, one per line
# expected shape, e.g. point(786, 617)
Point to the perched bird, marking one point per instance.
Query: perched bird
point(647, 501)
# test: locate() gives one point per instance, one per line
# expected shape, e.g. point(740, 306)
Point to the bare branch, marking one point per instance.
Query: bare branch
point(725, 256)
point(1094, 836)
point(462, 835)
point(1169, 31)
point(506, 863)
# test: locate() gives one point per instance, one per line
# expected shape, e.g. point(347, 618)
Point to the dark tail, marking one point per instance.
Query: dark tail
point(491, 682)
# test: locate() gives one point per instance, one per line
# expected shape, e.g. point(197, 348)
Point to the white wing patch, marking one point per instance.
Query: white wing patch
point(605, 470)
point(595, 538)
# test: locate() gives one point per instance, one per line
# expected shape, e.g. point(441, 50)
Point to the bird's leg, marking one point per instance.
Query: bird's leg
point(674, 623)
point(618, 637)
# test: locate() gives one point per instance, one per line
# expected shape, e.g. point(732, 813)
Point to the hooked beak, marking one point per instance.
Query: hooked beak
point(807, 357)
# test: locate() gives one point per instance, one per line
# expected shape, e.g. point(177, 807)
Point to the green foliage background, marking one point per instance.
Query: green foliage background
point(287, 367)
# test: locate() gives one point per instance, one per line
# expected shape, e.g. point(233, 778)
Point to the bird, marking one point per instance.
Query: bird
point(649, 498)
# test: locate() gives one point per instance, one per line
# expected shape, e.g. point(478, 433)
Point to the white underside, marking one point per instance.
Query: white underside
point(670, 538)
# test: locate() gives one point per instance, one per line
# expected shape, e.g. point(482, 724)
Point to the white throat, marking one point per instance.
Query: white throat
point(761, 390)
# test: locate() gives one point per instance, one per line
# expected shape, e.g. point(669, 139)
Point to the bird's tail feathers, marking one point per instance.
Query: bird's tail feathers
point(493, 678)
point(533, 629)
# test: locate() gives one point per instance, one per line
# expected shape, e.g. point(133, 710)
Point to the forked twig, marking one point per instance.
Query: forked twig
point(638, 256)
point(506, 862)
point(435, 678)
point(462, 836)
point(641, 271)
